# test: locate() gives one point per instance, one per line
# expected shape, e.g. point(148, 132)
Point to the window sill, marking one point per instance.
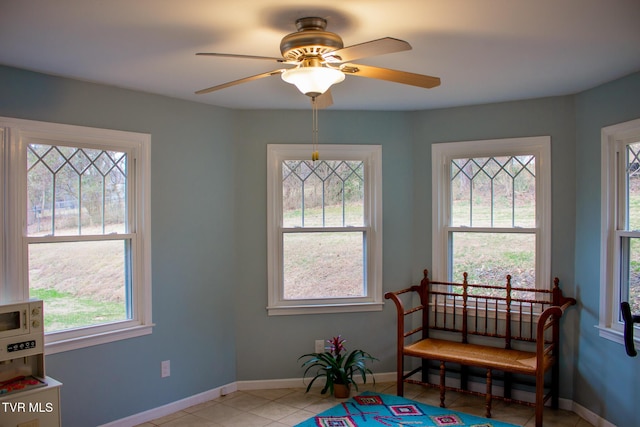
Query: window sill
point(323, 308)
point(63, 345)
point(617, 336)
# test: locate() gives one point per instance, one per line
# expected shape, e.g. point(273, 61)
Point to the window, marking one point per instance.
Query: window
point(620, 252)
point(491, 211)
point(324, 229)
point(76, 235)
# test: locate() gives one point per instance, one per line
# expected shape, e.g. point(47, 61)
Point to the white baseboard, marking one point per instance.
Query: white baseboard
point(300, 383)
point(589, 416)
point(185, 403)
point(172, 407)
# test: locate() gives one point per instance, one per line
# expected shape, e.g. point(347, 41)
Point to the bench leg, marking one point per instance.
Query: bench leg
point(464, 377)
point(424, 371)
point(488, 394)
point(539, 397)
point(400, 375)
point(555, 384)
point(508, 381)
point(442, 383)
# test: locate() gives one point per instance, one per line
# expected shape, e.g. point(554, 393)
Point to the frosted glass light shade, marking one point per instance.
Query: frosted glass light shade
point(313, 81)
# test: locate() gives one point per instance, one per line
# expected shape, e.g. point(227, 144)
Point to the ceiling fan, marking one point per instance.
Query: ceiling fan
point(317, 59)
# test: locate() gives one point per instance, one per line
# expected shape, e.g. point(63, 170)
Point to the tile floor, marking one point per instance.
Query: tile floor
point(288, 407)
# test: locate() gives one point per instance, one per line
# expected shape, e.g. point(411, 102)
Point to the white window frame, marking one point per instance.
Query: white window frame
point(614, 139)
point(372, 157)
point(15, 135)
point(441, 156)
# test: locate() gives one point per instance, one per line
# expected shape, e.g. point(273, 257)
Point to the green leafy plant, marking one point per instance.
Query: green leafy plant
point(337, 366)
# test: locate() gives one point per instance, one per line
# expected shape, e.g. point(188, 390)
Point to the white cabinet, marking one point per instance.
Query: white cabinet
point(39, 407)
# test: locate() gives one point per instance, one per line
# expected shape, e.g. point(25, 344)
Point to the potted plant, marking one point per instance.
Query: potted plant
point(338, 367)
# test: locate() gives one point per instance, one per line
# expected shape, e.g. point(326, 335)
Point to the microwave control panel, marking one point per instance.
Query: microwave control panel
point(35, 316)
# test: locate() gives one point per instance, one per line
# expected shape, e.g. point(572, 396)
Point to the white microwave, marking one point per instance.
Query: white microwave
point(21, 330)
point(21, 318)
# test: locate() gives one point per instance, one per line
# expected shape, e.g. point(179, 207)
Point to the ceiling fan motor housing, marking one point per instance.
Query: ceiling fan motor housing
point(310, 40)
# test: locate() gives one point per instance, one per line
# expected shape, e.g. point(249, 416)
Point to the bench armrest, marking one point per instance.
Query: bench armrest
point(550, 318)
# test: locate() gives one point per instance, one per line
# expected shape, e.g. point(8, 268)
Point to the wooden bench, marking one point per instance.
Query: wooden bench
point(464, 326)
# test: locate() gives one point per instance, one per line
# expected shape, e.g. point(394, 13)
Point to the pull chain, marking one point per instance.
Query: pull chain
point(315, 155)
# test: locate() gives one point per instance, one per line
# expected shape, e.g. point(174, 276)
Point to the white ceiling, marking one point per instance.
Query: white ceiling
point(483, 50)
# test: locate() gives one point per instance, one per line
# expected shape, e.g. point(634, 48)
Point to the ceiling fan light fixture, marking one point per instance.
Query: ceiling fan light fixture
point(321, 60)
point(313, 81)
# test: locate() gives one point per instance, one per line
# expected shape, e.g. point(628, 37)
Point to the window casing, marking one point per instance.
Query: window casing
point(620, 209)
point(71, 159)
point(479, 220)
point(324, 229)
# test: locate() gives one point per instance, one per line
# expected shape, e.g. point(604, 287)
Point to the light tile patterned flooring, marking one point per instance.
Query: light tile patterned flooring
point(288, 407)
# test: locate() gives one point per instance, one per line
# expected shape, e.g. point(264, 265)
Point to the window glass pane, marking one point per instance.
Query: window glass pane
point(323, 193)
point(323, 265)
point(75, 191)
point(493, 191)
point(81, 283)
point(630, 273)
point(633, 186)
point(489, 257)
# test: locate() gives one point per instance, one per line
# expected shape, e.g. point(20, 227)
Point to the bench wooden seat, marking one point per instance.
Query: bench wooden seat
point(448, 315)
point(481, 356)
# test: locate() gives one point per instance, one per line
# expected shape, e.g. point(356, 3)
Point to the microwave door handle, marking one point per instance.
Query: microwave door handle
point(24, 320)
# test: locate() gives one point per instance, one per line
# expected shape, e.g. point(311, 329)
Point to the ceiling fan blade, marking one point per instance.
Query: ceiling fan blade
point(366, 49)
point(403, 77)
point(237, 82)
point(232, 55)
point(324, 101)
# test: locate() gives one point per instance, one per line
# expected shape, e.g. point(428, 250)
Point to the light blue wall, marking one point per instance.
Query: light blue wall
point(606, 379)
point(209, 236)
point(192, 200)
point(277, 341)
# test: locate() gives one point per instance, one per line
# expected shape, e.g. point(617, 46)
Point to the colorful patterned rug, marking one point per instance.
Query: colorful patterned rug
point(376, 410)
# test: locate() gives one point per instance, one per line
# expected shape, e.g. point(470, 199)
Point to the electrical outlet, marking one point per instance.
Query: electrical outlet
point(165, 368)
point(319, 346)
